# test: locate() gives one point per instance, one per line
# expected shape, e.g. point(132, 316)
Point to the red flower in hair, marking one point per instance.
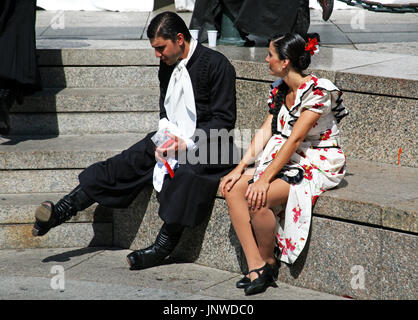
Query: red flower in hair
point(312, 45)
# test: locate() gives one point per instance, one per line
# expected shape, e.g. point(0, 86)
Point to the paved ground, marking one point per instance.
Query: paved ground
point(103, 274)
point(356, 29)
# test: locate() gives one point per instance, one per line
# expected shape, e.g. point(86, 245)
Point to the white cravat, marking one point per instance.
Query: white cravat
point(180, 107)
point(179, 101)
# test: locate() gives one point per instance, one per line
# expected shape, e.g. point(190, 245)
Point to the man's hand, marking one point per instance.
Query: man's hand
point(171, 149)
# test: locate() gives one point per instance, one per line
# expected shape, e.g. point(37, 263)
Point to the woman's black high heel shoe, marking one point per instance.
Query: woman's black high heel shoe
point(244, 282)
point(263, 281)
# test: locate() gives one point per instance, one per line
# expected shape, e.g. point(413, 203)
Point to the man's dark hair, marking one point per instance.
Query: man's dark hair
point(167, 25)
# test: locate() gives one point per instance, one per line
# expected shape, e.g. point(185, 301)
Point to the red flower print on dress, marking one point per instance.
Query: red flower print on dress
point(315, 80)
point(322, 157)
point(308, 171)
point(284, 251)
point(290, 245)
point(318, 92)
point(279, 241)
point(303, 86)
point(325, 135)
point(297, 210)
point(314, 198)
point(318, 105)
point(282, 122)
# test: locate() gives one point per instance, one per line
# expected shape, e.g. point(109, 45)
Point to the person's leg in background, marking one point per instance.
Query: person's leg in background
point(327, 6)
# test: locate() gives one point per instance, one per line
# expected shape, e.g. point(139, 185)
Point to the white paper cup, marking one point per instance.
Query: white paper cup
point(212, 35)
point(194, 33)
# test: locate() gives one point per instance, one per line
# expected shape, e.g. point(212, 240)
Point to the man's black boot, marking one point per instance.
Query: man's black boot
point(154, 255)
point(49, 215)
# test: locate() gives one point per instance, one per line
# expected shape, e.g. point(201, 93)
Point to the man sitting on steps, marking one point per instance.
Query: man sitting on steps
point(197, 95)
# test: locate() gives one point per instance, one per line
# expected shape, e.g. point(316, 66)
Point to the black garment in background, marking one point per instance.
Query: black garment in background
point(265, 18)
point(18, 44)
point(19, 74)
point(187, 198)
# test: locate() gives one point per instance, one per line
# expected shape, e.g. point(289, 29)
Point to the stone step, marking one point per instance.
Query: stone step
point(19, 236)
point(91, 227)
point(360, 224)
point(352, 70)
point(98, 76)
point(53, 124)
point(20, 209)
point(38, 181)
point(62, 152)
point(55, 111)
point(374, 194)
point(57, 100)
point(86, 52)
point(53, 165)
point(87, 110)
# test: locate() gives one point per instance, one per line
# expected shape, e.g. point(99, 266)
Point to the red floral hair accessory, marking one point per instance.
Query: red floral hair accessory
point(312, 46)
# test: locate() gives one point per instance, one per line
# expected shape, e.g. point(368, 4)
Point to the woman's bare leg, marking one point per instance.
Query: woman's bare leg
point(256, 229)
point(240, 218)
point(263, 220)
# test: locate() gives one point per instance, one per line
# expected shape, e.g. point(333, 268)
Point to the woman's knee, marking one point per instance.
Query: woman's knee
point(236, 192)
point(260, 212)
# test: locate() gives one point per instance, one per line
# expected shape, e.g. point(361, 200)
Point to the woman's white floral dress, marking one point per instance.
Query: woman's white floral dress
point(319, 156)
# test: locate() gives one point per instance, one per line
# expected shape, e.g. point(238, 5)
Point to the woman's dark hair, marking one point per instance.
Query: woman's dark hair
point(292, 46)
point(167, 25)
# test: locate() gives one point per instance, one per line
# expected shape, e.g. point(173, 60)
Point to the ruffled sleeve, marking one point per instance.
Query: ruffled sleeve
point(320, 96)
point(317, 100)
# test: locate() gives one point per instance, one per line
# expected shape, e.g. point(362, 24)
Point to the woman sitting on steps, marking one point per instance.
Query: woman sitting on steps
point(297, 156)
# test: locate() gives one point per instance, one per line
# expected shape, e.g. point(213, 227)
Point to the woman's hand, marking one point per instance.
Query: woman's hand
point(229, 180)
point(256, 194)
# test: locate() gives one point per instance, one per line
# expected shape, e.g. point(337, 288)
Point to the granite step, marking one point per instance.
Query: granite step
point(53, 164)
point(372, 194)
point(360, 224)
point(54, 111)
point(61, 152)
point(91, 227)
point(98, 76)
point(71, 100)
point(65, 123)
